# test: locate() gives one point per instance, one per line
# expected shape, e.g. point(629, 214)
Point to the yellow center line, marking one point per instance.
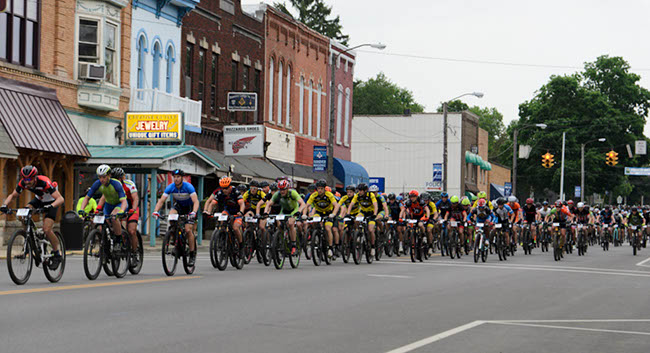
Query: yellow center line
point(94, 285)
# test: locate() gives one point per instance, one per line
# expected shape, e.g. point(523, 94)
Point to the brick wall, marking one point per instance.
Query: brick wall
point(499, 174)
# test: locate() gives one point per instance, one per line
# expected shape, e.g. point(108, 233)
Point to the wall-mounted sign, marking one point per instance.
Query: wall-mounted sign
point(242, 101)
point(243, 140)
point(154, 126)
point(320, 159)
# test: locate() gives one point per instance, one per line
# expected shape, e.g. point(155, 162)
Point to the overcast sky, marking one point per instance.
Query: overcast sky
point(563, 34)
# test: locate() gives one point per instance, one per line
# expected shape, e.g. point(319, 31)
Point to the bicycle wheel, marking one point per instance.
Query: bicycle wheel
point(413, 245)
point(325, 248)
point(316, 250)
point(93, 254)
point(345, 246)
point(357, 246)
point(236, 253)
point(391, 238)
point(451, 248)
point(259, 247)
point(634, 245)
point(277, 250)
point(294, 259)
point(139, 253)
point(306, 243)
point(186, 257)
point(19, 257)
point(219, 249)
point(379, 247)
point(249, 238)
point(266, 246)
point(169, 252)
point(121, 257)
point(477, 250)
point(54, 275)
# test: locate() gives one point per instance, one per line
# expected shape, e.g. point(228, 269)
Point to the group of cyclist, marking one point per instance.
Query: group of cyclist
point(119, 197)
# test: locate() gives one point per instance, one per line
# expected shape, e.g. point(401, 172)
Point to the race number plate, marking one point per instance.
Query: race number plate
point(390, 222)
point(359, 219)
point(633, 227)
point(316, 219)
point(605, 225)
point(556, 224)
point(479, 225)
point(412, 221)
point(251, 220)
point(454, 224)
point(99, 219)
point(223, 217)
point(498, 225)
point(22, 212)
point(280, 217)
point(173, 217)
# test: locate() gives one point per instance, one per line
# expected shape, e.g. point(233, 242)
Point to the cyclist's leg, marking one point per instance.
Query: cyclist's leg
point(48, 223)
point(291, 223)
point(237, 228)
point(328, 230)
point(132, 228)
point(371, 230)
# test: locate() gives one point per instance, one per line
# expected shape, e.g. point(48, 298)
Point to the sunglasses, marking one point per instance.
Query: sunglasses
point(28, 179)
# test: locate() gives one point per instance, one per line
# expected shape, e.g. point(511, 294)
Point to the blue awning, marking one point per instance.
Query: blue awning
point(349, 172)
point(497, 191)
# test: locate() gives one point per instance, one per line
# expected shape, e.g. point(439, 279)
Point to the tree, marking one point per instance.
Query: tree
point(605, 100)
point(379, 95)
point(454, 106)
point(314, 14)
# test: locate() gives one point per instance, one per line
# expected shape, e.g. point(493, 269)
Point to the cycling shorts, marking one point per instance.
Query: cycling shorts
point(367, 214)
point(135, 216)
point(51, 213)
point(325, 215)
point(183, 210)
point(108, 208)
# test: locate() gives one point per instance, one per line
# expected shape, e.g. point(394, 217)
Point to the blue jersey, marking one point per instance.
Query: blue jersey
point(182, 196)
point(502, 215)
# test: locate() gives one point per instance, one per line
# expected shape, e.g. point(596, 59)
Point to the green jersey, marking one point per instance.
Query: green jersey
point(289, 203)
point(635, 220)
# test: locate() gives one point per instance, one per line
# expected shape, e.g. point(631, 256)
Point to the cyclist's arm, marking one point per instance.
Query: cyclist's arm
point(160, 203)
point(207, 207)
point(10, 197)
point(259, 206)
point(354, 201)
point(402, 212)
point(426, 209)
point(385, 204)
point(242, 206)
point(101, 202)
point(195, 202)
point(136, 200)
point(58, 199)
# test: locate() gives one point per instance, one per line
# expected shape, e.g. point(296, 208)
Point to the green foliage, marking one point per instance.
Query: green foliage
point(454, 106)
point(315, 14)
point(379, 95)
point(605, 100)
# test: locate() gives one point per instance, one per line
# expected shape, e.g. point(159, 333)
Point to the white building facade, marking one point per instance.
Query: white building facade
point(403, 149)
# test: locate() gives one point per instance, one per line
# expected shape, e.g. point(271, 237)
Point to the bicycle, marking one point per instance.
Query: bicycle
point(103, 249)
point(281, 244)
point(224, 246)
point(176, 245)
point(251, 240)
point(419, 247)
point(545, 237)
point(392, 244)
point(636, 244)
point(454, 247)
point(557, 244)
point(30, 246)
point(319, 242)
point(605, 237)
point(500, 241)
point(480, 249)
point(582, 242)
point(361, 241)
point(527, 239)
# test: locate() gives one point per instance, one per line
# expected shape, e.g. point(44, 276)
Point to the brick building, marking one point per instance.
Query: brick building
point(344, 75)
point(222, 51)
point(71, 58)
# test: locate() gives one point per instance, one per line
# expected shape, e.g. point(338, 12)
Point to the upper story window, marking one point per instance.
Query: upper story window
point(98, 43)
point(20, 33)
point(157, 55)
point(170, 69)
point(141, 50)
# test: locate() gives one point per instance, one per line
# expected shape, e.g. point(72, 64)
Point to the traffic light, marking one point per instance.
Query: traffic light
point(547, 160)
point(612, 158)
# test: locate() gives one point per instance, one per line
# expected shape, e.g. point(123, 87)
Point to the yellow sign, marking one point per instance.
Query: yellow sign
point(154, 126)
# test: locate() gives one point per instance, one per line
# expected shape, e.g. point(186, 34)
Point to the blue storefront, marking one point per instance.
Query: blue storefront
point(350, 172)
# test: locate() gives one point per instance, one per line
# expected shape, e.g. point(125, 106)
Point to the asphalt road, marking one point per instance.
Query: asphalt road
point(597, 303)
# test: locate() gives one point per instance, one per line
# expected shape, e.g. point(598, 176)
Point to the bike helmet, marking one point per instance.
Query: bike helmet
point(399, 197)
point(273, 187)
point(558, 203)
point(178, 172)
point(512, 199)
point(363, 187)
point(465, 202)
point(264, 184)
point(225, 181)
point(117, 173)
point(242, 188)
point(283, 184)
point(103, 169)
point(373, 188)
point(351, 187)
point(391, 196)
point(414, 193)
point(481, 203)
point(530, 201)
point(328, 189)
point(254, 184)
point(321, 183)
point(482, 195)
point(444, 194)
point(425, 197)
point(29, 171)
point(501, 201)
point(311, 187)
point(581, 204)
point(454, 199)
point(570, 202)
point(545, 203)
point(607, 207)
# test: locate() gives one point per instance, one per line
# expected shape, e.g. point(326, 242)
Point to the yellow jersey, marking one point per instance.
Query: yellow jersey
point(365, 202)
point(322, 203)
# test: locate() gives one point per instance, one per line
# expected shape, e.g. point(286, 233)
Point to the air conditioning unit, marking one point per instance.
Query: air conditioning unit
point(88, 71)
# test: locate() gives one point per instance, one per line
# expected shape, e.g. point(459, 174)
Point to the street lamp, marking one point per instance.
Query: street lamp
point(444, 141)
point(330, 142)
point(514, 153)
point(582, 166)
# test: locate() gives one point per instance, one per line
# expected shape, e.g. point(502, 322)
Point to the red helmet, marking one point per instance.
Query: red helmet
point(283, 184)
point(530, 201)
point(414, 193)
point(570, 202)
point(28, 172)
point(558, 203)
point(481, 203)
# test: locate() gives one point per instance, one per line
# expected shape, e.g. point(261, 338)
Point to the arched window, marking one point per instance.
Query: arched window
point(346, 128)
point(170, 69)
point(157, 55)
point(310, 91)
point(280, 93)
point(339, 108)
point(288, 109)
point(319, 105)
point(271, 72)
point(301, 105)
point(142, 48)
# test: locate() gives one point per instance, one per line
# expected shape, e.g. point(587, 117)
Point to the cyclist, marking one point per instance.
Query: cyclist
point(46, 196)
point(92, 204)
point(133, 202)
point(561, 214)
point(228, 199)
point(185, 203)
point(253, 196)
point(530, 216)
point(290, 203)
point(483, 214)
point(394, 211)
point(416, 208)
point(482, 195)
point(543, 215)
point(636, 219)
point(275, 209)
point(381, 205)
point(516, 208)
point(503, 215)
point(433, 215)
point(323, 203)
point(583, 216)
point(368, 207)
point(646, 215)
point(457, 214)
point(443, 205)
point(344, 202)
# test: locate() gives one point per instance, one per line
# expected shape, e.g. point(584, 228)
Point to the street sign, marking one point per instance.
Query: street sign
point(436, 180)
point(507, 186)
point(637, 171)
point(578, 191)
point(320, 158)
point(243, 140)
point(640, 147)
point(629, 151)
point(154, 126)
point(242, 101)
point(379, 181)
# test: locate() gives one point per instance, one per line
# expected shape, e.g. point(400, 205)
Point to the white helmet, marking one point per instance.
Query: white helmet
point(512, 199)
point(373, 188)
point(103, 169)
point(581, 204)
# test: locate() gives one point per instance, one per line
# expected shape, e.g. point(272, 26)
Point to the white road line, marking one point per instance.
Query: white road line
point(629, 274)
point(435, 338)
point(570, 321)
point(571, 328)
point(389, 276)
point(560, 267)
point(642, 263)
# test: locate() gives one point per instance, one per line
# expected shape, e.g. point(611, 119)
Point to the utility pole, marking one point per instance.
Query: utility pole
point(562, 170)
point(330, 141)
point(444, 143)
point(514, 162)
point(582, 172)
